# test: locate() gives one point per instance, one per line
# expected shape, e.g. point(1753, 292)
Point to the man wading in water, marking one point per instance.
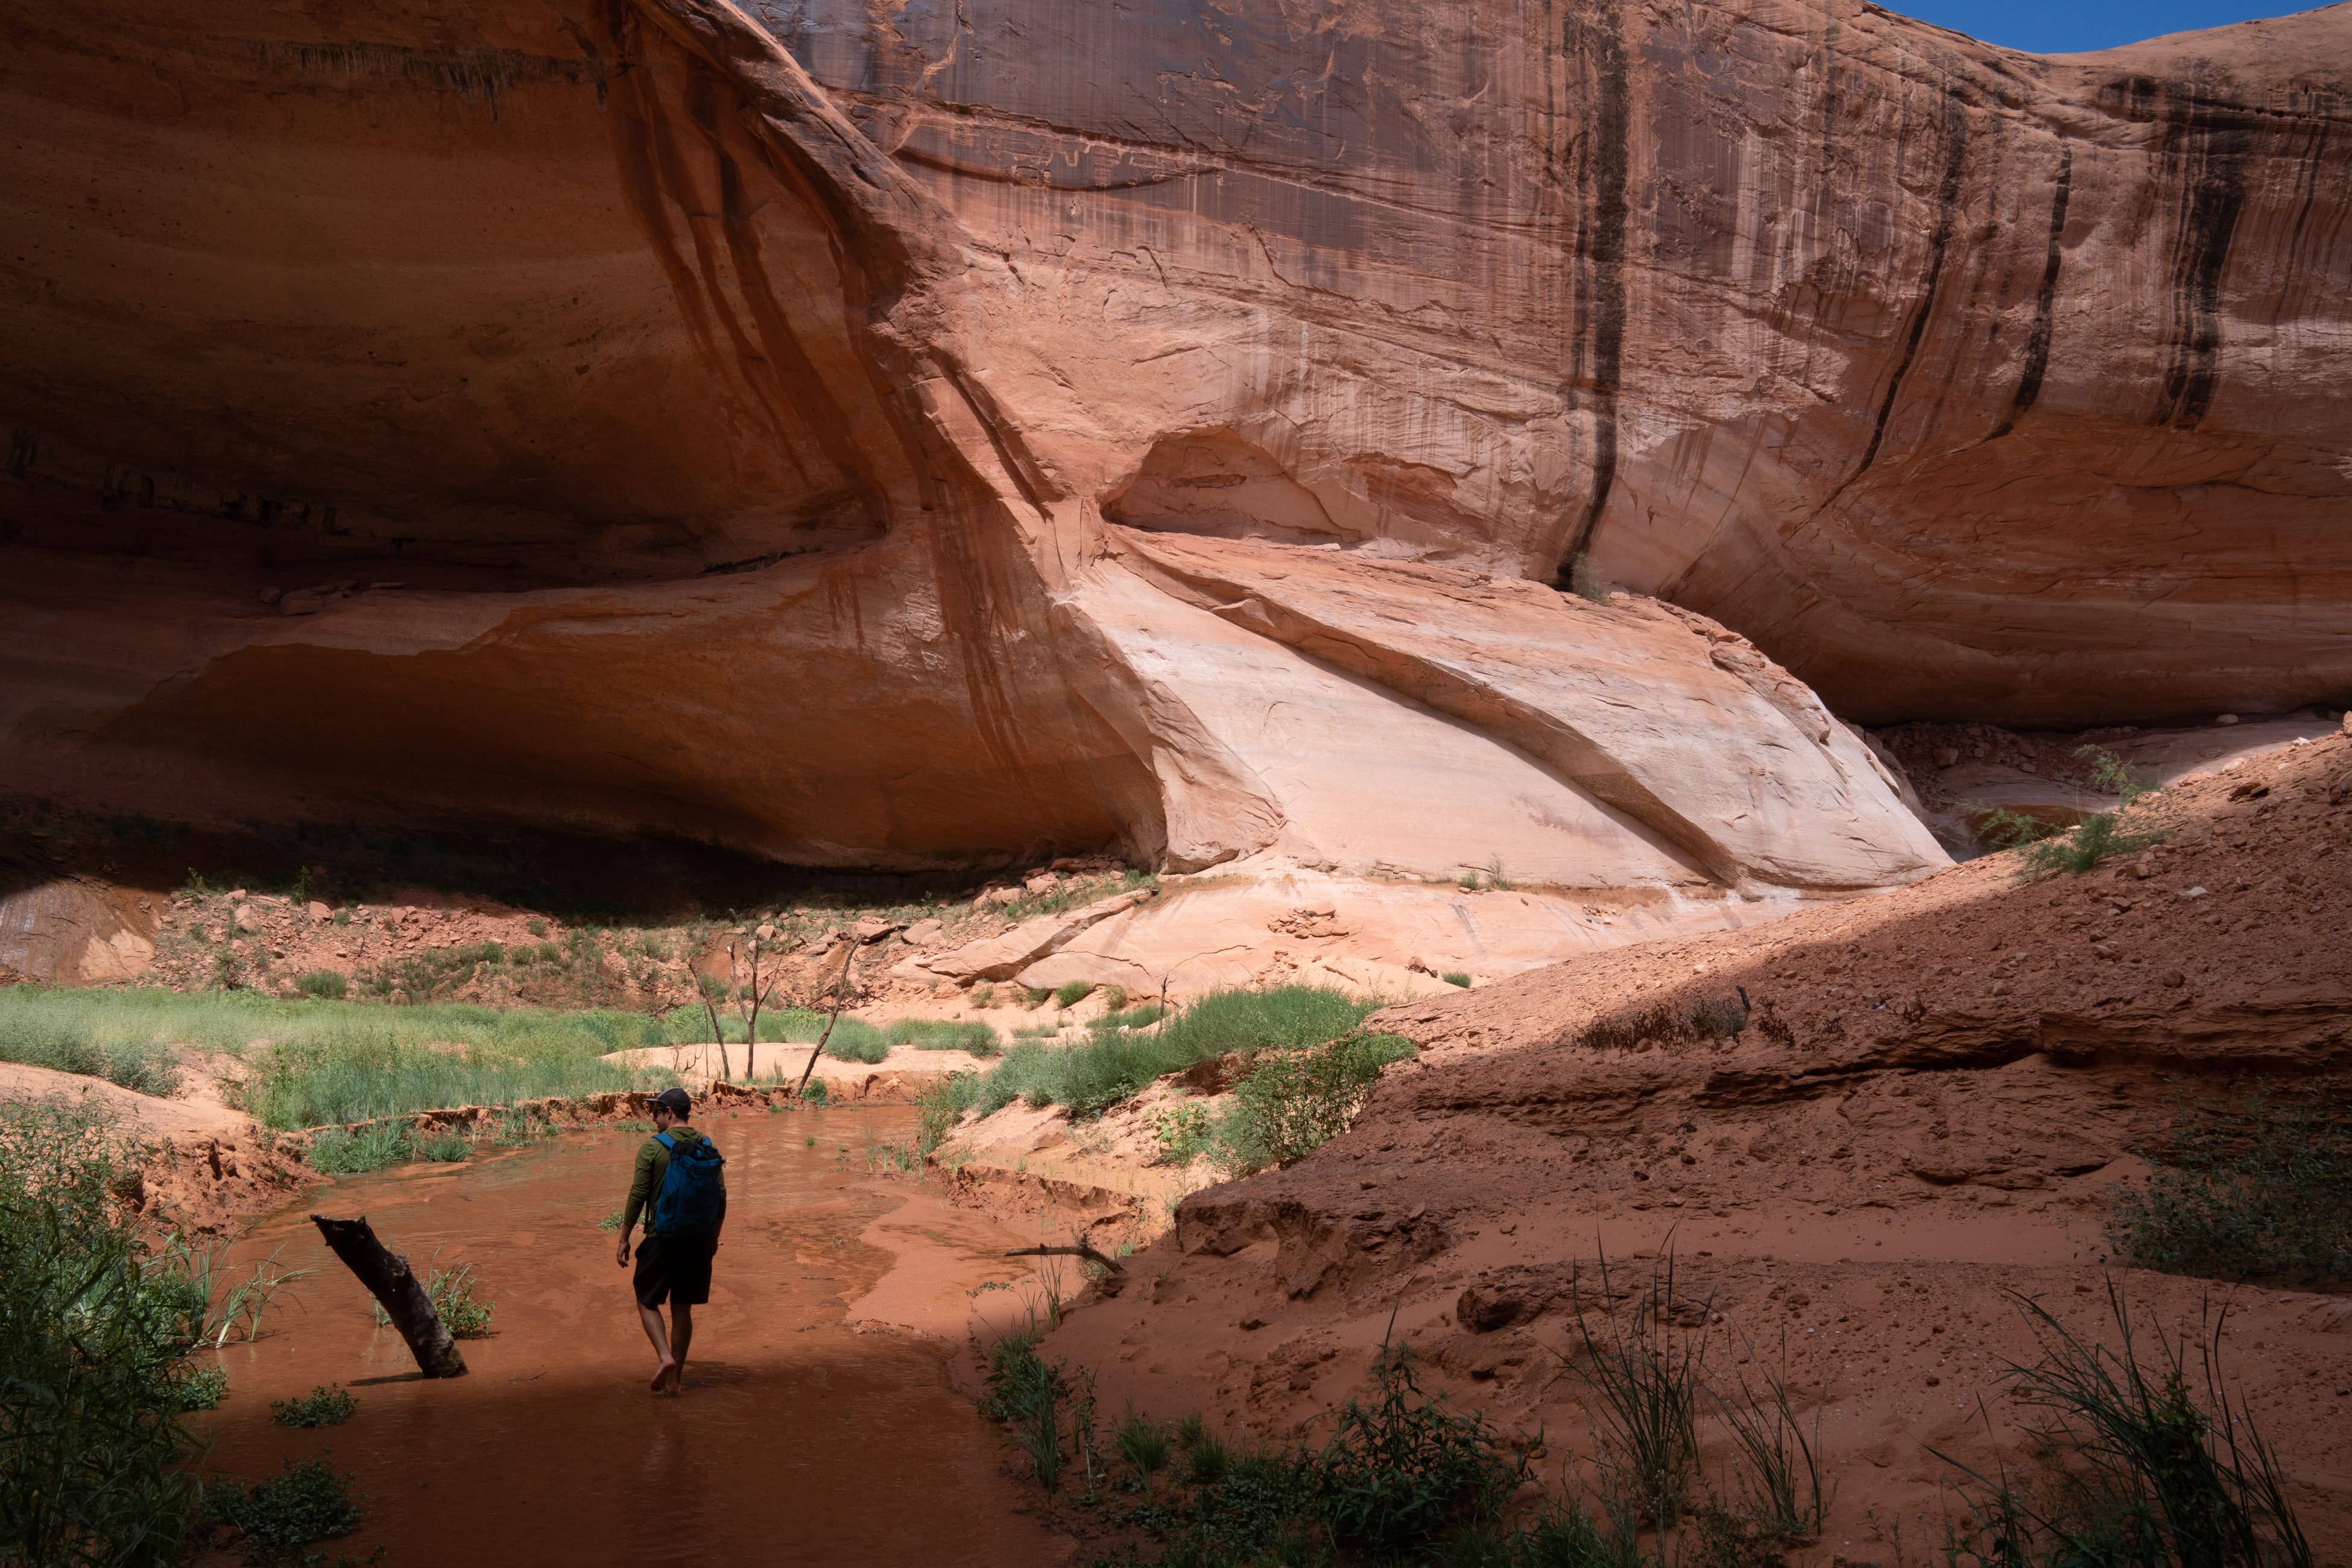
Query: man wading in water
point(681, 1188)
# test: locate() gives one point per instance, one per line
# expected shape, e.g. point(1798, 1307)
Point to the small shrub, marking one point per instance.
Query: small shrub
point(1033, 998)
point(1715, 1017)
point(1646, 1389)
point(1293, 1102)
point(1457, 977)
point(95, 1329)
point(2145, 1473)
point(1582, 582)
point(2101, 835)
point(2111, 773)
point(325, 983)
point(815, 1093)
point(1076, 992)
point(447, 1148)
point(299, 1505)
point(1182, 1132)
point(453, 1296)
point(327, 1405)
point(341, 1152)
point(536, 926)
point(1026, 1392)
point(939, 1112)
point(451, 1291)
point(2003, 828)
point(1114, 998)
point(1143, 1444)
point(612, 1220)
point(2259, 1190)
point(1718, 1016)
point(1399, 1471)
point(853, 1041)
point(201, 1387)
point(1207, 1461)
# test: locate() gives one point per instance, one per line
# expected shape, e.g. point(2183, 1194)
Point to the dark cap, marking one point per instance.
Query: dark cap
point(674, 1101)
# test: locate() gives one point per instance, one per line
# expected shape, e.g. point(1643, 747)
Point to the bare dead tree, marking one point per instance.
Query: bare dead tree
point(752, 999)
point(702, 984)
point(840, 995)
point(393, 1284)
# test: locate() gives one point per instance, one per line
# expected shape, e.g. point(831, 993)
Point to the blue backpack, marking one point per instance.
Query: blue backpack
point(692, 1193)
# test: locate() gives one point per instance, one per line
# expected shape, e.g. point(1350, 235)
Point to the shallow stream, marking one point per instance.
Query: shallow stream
point(820, 1423)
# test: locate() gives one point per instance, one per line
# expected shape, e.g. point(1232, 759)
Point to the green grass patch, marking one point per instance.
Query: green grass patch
point(323, 984)
point(942, 1035)
point(39, 1029)
point(1457, 977)
point(1071, 995)
point(1110, 1067)
point(314, 1063)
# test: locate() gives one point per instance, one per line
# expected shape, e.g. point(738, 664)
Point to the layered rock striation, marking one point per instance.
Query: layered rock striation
point(913, 438)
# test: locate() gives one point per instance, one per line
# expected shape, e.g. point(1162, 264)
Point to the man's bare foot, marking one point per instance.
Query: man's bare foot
point(665, 1375)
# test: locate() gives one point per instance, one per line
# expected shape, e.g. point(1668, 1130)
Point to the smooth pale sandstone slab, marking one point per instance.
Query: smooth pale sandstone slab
point(1677, 729)
point(1361, 778)
point(1239, 926)
point(1001, 957)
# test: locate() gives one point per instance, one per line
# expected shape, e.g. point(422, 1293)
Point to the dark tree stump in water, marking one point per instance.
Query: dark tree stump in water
point(394, 1285)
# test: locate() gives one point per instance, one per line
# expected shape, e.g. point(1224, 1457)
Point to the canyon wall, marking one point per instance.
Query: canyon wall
point(1968, 383)
point(911, 438)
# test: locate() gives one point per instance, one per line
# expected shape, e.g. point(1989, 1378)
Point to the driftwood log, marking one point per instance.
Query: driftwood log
point(393, 1284)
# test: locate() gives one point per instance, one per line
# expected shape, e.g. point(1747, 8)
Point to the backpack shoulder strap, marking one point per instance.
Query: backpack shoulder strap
point(666, 1141)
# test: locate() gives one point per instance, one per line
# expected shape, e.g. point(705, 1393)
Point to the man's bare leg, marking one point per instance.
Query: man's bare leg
point(681, 1335)
point(652, 1319)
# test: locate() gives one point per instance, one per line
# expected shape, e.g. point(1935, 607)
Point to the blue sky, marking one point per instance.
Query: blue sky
point(2069, 27)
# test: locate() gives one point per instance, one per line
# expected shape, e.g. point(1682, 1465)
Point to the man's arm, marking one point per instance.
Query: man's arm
point(641, 1192)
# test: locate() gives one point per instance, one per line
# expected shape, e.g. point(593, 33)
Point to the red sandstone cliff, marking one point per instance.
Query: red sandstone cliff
point(580, 413)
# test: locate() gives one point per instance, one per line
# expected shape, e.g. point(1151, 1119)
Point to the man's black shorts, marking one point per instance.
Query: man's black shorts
point(675, 1269)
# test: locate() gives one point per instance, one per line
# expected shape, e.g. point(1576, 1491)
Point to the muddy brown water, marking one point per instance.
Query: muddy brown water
point(812, 1429)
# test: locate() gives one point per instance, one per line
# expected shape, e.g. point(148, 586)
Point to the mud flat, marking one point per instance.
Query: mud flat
point(824, 1374)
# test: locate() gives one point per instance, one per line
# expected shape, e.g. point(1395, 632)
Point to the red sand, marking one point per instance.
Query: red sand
point(1972, 1062)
